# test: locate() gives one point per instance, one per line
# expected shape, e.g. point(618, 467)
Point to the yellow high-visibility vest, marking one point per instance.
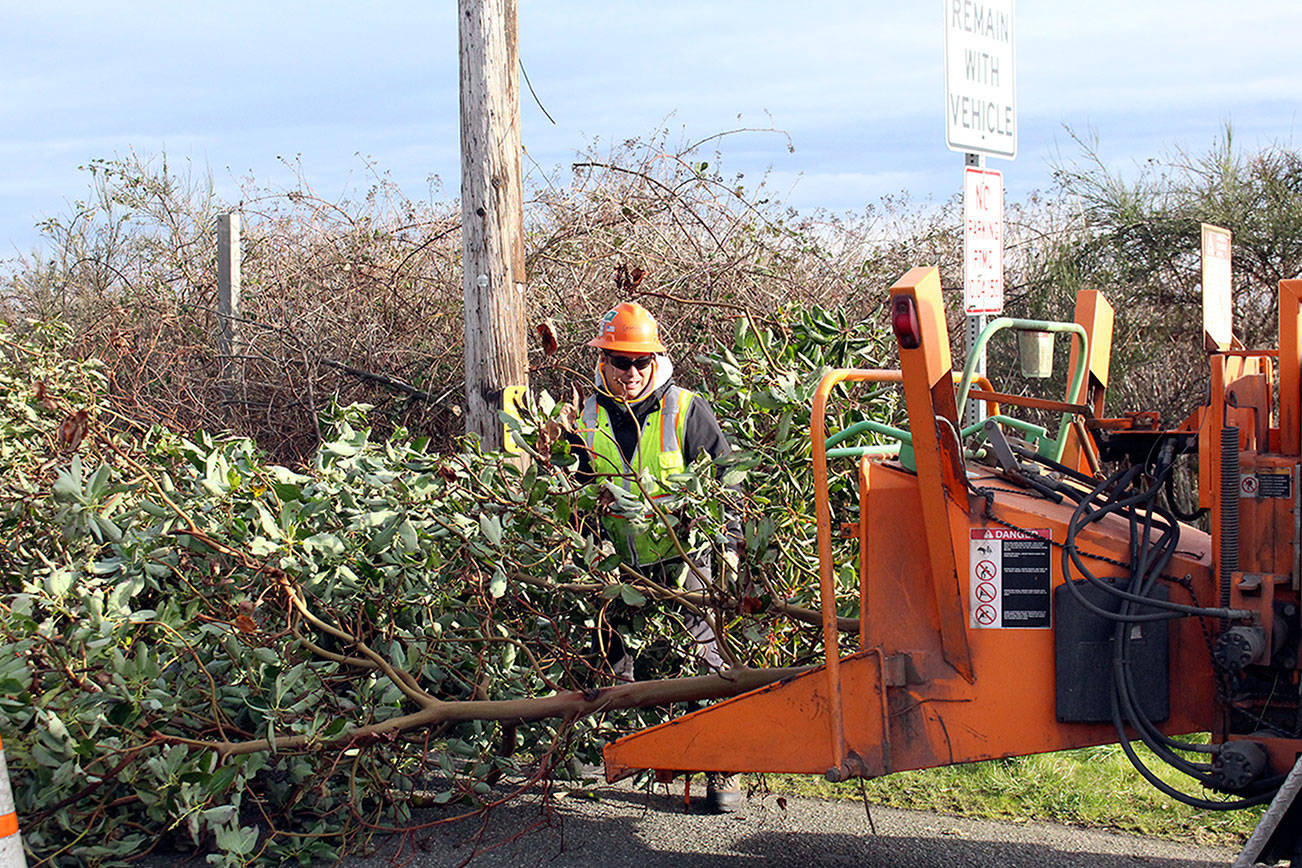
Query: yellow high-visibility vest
point(659, 452)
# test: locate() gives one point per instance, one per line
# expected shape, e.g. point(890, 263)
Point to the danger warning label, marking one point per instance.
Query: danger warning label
point(1010, 577)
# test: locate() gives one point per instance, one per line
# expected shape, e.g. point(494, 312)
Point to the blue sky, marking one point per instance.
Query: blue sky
point(857, 85)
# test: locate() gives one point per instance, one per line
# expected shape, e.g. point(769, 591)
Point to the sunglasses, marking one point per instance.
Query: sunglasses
point(623, 363)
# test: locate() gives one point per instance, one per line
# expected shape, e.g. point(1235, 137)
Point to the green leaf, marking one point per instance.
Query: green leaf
point(215, 479)
point(735, 476)
point(407, 534)
point(122, 713)
point(340, 448)
point(631, 595)
point(267, 521)
point(219, 781)
point(381, 540)
point(98, 481)
point(54, 727)
point(58, 582)
point(491, 527)
point(326, 543)
point(108, 529)
point(258, 546)
point(67, 483)
point(497, 587)
point(287, 491)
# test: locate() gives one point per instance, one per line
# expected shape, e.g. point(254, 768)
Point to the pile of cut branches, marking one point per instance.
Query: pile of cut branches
point(211, 651)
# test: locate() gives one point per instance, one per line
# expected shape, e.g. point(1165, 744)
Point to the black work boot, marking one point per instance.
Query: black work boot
point(722, 792)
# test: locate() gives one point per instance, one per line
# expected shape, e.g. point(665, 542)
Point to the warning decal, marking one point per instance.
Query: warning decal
point(1275, 485)
point(1009, 582)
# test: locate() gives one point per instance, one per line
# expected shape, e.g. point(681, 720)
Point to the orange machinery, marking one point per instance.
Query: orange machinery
point(1022, 592)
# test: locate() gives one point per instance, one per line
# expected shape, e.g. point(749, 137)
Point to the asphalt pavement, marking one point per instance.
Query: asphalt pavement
point(622, 827)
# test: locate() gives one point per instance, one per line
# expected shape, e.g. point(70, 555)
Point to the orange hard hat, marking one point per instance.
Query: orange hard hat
point(628, 328)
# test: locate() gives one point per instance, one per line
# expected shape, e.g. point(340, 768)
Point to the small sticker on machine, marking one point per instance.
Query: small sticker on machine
point(1008, 585)
point(1274, 485)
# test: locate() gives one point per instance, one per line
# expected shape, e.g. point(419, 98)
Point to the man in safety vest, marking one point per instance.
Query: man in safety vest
point(639, 419)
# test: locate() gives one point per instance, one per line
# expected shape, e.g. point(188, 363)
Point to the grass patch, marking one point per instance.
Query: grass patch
point(1094, 787)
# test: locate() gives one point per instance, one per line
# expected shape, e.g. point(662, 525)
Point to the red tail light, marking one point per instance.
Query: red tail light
point(904, 321)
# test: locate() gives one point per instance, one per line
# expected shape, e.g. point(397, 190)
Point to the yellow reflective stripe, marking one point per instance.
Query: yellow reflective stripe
point(671, 436)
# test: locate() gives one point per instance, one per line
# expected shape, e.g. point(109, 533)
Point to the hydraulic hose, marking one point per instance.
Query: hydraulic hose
point(1154, 538)
point(1115, 486)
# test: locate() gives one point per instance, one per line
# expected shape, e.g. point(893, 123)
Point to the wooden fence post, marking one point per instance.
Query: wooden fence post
point(228, 302)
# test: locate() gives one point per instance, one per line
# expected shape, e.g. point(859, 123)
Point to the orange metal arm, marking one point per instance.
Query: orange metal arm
point(1095, 315)
point(1290, 366)
point(826, 573)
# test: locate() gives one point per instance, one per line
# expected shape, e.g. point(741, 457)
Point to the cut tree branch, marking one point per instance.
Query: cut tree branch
point(566, 705)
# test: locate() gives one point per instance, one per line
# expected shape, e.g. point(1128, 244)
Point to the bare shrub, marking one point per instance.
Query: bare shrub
point(359, 300)
point(342, 301)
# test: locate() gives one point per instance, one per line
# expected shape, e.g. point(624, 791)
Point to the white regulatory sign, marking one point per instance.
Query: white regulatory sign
point(983, 241)
point(980, 86)
point(1218, 319)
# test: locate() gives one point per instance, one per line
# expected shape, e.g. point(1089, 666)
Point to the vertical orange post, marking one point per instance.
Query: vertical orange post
point(1290, 367)
point(933, 420)
point(1095, 315)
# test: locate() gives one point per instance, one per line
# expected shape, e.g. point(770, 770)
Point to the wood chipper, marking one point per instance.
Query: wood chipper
point(1025, 590)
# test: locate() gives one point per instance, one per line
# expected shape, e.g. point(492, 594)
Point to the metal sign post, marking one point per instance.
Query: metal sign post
point(980, 120)
point(974, 411)
point(983, 259)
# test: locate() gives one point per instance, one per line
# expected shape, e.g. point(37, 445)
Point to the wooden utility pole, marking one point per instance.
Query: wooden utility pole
point(492, 219)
